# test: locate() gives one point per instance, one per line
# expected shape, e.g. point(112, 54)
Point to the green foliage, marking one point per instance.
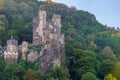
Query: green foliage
point(84, 61)
point(59, 73)
point(35, 48)
point(31, 75)
point(89, 76)
point(106, 67)
point(2, 65)
point(108, 53)
point(18, 71)
point(14, 71)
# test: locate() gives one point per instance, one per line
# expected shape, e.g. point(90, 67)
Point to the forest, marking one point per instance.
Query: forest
point(92, 49)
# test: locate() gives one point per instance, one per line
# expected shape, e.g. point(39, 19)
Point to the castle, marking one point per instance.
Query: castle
point(46, 32)
point(11, 52)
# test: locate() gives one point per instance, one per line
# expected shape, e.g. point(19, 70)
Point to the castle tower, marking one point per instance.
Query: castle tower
point(38, 24)
point(56, 19)
point(11, 52)
point(42, 18)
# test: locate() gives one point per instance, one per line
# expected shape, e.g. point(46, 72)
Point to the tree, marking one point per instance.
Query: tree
point(109, 77)
point(116, 70)
point(59, 73)
point(84, 61)
point(78, 45)
point(92, 46)
point(106, 67)
point(2, 66)
point(108, 53)
point(14, 71)
point(12, 33)
point(31, 75)
point(89, 76)
point(3, 28)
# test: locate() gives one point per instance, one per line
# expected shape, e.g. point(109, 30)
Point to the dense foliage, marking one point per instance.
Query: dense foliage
point(92, 49)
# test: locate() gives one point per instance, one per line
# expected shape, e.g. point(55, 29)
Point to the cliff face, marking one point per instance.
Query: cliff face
point(48, 34)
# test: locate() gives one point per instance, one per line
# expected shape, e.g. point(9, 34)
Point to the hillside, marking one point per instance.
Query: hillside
point(92, 49)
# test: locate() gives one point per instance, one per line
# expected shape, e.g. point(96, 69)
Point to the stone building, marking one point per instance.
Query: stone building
point(48, 33)
point(11, 52)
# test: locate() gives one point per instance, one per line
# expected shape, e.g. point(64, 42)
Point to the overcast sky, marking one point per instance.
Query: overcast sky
point(107, 12)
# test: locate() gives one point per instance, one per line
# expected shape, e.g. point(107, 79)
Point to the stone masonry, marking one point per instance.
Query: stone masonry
point(48, 33)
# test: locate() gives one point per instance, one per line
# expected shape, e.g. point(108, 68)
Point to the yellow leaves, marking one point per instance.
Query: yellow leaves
point(109, 77)
point(116, 70)
point(49, 1)
point(1, 4)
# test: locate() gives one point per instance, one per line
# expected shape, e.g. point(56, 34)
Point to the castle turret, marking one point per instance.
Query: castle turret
point(56, 19)
point(11, 52)
point(38, 24)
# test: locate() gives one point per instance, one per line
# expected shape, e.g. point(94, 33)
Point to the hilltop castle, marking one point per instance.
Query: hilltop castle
point(46, 32)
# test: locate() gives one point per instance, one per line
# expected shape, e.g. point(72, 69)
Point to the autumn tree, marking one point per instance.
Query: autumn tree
point(108, 53)
point(116, 70)
point(109, 77)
